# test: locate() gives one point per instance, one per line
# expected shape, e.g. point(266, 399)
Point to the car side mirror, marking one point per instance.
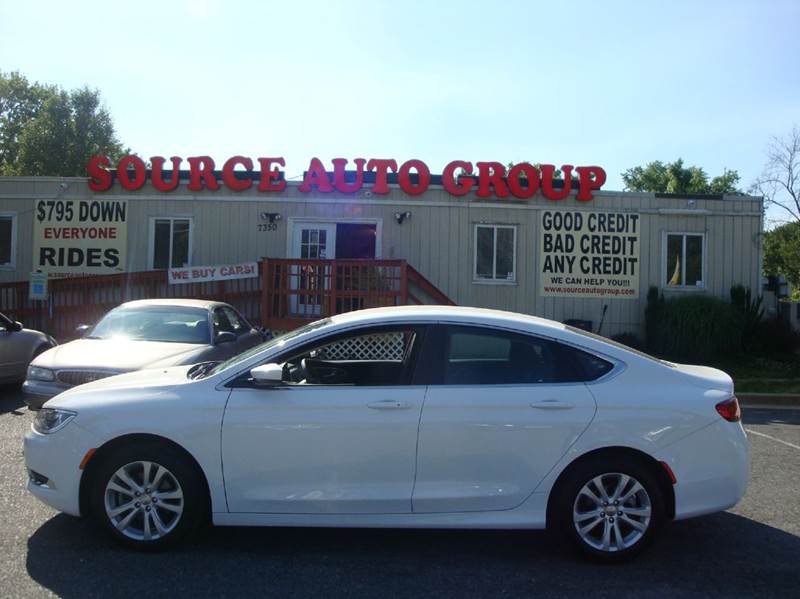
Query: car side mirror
point(17, 326)
point(267, 374)
point(82, 329)
point(224, 337)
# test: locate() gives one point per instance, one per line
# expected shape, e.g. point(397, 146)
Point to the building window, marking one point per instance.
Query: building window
point(8, 240)
point(171, 242)
point(685, 260)
point(495, 254)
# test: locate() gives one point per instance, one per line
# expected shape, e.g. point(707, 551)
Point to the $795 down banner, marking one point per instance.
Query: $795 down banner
point(80, 237)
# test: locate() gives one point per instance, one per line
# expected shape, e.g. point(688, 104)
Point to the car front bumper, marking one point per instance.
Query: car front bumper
point(53, 466)
point(37, 392)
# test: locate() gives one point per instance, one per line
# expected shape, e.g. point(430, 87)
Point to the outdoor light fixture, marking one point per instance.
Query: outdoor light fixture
point(272, 217)
point(401, 216)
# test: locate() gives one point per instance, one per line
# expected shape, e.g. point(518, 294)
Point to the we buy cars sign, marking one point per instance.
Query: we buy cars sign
point(202, 274)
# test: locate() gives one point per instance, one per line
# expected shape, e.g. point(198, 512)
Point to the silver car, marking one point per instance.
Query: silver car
point(18, 346)
point(137, 335)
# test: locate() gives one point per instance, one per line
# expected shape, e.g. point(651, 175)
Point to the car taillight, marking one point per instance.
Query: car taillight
point(729, 409)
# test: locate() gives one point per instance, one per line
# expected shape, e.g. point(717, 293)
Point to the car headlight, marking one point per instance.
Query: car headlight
point(50, 420)
point(41, 374)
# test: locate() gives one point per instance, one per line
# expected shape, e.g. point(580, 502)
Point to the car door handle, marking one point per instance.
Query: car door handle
point(389, 404)
point(552, 404)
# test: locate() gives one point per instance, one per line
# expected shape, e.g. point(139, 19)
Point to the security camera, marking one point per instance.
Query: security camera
point(63, 186)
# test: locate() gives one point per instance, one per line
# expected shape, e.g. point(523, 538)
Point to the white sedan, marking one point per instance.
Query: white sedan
point(400, 417)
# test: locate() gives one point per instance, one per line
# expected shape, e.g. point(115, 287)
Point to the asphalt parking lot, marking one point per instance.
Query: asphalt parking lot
point(751, 550)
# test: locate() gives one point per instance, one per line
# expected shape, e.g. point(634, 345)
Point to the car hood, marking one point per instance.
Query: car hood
point(148, 383)
point(112, 354)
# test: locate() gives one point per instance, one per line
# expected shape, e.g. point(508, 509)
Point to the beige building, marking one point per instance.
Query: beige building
point(564, 259)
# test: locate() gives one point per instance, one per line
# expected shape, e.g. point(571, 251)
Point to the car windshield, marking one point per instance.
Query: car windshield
point(277, 341)
point(169, 324)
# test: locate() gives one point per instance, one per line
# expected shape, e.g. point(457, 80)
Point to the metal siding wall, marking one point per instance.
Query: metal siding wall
point(438, 239)
point(24, 255)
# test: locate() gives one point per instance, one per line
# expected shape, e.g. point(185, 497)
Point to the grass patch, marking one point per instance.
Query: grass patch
point(757, 374)
point(756, 386)
point(749, 367)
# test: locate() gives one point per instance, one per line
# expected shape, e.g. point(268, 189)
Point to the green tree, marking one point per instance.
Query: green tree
point(20, 101)
point(674, 177)
point(782, 253)
point(538, 166)
point(50, 131)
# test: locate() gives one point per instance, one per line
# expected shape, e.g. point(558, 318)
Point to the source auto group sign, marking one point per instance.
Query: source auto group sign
point(459, 177)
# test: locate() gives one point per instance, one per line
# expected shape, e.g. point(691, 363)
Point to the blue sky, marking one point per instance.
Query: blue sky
point(612, 83)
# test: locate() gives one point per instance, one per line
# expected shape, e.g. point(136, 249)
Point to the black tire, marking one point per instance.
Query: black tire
point(612, 470)
point(181, 475)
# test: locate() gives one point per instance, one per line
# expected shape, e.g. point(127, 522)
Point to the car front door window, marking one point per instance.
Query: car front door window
point(375, 358)
point(233, 321)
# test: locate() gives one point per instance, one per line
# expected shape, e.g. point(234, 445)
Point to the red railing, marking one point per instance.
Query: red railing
point(298, 291)
point(416, 279)
point(288, 293)
point(84, 300)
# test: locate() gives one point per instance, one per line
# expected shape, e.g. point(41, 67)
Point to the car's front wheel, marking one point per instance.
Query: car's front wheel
point(609, 509)
point(147, 496)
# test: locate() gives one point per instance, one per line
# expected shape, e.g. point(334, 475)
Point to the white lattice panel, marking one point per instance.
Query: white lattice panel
point(383, 347)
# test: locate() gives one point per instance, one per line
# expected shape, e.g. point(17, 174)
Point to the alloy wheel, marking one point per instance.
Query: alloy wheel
point(612, 512)
point(144, 501)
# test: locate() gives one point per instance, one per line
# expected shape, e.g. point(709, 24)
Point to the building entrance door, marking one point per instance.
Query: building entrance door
point(311, 241)
point(321, 242)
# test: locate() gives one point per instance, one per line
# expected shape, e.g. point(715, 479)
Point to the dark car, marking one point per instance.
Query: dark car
point(138, 335)
point(18, 346)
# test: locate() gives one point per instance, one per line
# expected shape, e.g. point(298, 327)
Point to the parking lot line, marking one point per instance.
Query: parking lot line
point(752, 432)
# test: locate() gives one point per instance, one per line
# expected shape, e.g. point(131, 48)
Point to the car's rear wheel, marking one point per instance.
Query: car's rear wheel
point(610, 509)
point(147, 496)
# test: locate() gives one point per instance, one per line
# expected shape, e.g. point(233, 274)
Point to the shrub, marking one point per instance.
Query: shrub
point(751, 312)
point(652, 316)
point(694, 327)
point(628, 339)
point(775, 336)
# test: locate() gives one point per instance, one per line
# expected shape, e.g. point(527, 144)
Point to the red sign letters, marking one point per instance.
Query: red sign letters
point(459, 177)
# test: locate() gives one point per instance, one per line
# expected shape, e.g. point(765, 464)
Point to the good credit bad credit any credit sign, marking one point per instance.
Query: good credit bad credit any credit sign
point(589, 254)
point(80, 237)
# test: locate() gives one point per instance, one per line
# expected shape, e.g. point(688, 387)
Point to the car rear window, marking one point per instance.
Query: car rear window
point(618, 345)
point(589, 367)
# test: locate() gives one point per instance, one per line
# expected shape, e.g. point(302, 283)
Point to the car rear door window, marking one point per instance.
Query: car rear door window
point(482, 356)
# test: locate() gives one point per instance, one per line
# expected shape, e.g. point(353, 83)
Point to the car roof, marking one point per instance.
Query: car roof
point(446, 313)
point(490, 318)
point(177, 302)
